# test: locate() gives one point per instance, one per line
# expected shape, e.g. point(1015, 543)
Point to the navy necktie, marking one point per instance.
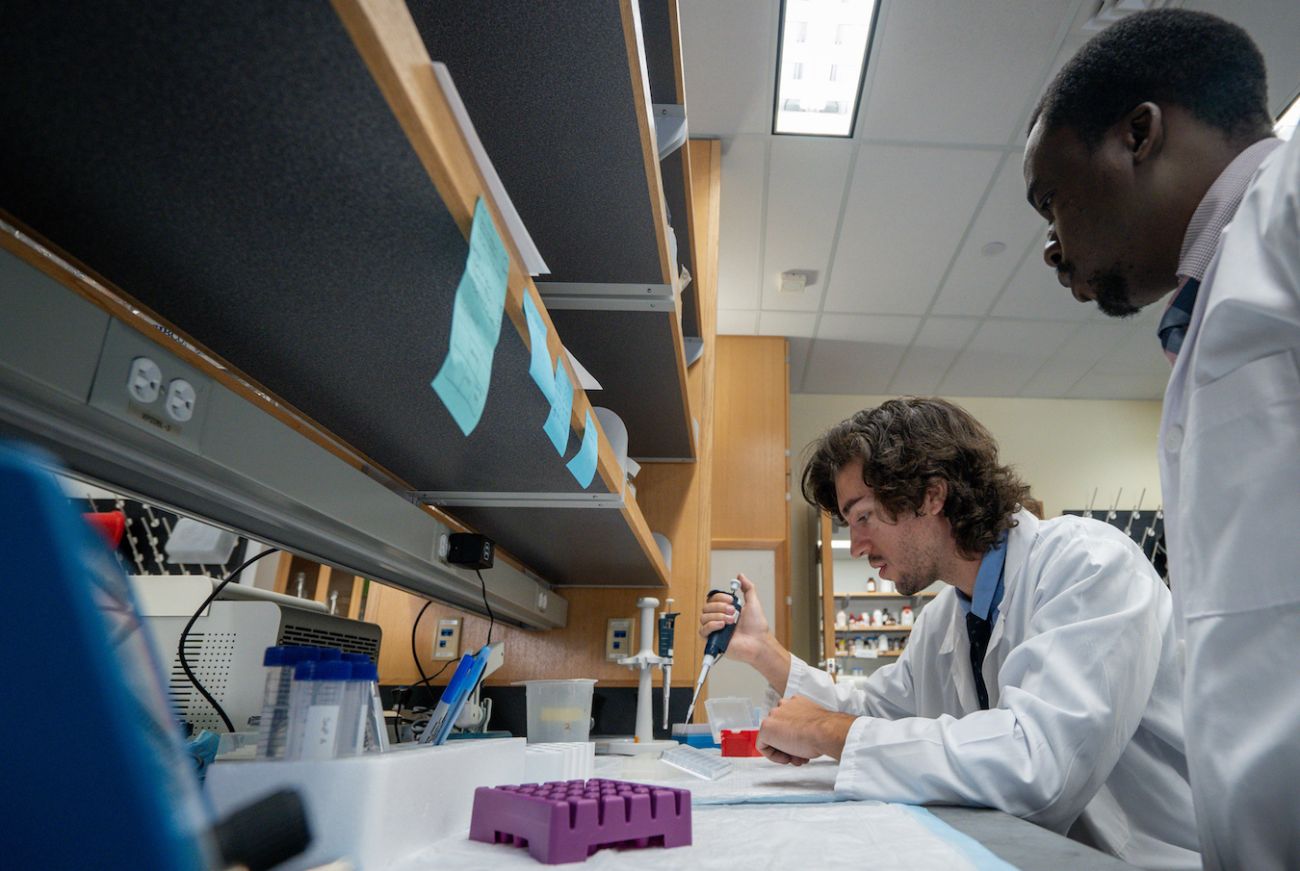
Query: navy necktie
point(978, 631)
point(1173, 326)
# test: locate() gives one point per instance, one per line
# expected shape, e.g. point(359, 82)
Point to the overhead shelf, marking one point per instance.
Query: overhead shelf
point(239, 174)
point(558, 95)
point(661, 35)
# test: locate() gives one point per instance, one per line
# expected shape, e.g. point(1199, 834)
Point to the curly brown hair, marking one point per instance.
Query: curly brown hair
point(907, 444)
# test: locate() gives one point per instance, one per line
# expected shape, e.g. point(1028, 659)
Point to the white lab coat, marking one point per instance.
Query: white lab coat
point(1085, 730)
point(1230, 473)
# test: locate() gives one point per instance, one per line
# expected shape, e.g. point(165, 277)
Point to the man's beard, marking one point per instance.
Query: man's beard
point(1110, 288)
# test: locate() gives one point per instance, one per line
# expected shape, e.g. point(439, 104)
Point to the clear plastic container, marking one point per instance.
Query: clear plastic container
point(356, 701)
point(731, 713)
point(274, 723)
point(559, 710)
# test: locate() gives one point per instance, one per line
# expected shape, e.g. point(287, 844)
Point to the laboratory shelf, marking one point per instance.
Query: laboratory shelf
point(865, 595)
point(884, 654)
point(869, 629)
point(253, 176)
point(661, 36)
point(559, 96)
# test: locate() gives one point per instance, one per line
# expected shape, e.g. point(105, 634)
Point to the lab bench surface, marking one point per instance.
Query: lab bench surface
point(1025, 845)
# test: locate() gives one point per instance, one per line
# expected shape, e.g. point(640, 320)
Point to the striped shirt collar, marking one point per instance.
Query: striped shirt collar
point(1216, 209)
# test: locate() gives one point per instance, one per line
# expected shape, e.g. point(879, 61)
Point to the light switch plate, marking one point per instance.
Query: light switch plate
point(446, 638)
point(618, 638)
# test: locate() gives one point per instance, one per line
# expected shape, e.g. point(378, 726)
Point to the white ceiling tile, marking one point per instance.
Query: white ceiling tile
point(786, 323)
point(959, 72)
point(1035, 293)
point(1003, 356)
point(875, 329)
point(805, 186)
point(931, 354)
point(729, 64)
point(850, 367)
point(976, 278)
point(732, 322)
point(907, 211)
point(744, 175)
point(1076, 358)
point(1139, 352)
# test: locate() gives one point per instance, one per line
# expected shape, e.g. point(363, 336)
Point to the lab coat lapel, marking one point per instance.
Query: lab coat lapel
point(954, 664)
point(1019, 541)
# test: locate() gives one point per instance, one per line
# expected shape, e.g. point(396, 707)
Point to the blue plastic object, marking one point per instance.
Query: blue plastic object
point(109, 786)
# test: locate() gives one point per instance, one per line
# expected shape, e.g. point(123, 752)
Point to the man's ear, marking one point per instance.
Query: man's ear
point(936, 494)
point(1143, 131)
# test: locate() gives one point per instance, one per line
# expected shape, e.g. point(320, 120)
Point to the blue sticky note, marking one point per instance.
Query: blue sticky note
point(540, 365)
point(557, 423)
point(462, 382)
point(583, 464)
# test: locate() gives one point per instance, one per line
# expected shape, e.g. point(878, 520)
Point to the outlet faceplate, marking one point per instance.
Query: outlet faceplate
point(618, 638)
point(446, 638)
point(128, 365)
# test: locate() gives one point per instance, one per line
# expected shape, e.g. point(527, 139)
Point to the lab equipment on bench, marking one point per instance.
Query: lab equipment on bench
point(717, 642)
point(463, 682)
point(706, 766)
point(559, 711)
point(644, 660)
point(227, 646)
point(568, 820)
point(667, 628)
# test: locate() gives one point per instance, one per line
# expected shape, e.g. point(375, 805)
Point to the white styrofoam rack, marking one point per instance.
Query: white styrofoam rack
point(574, 760)
point(376, 809)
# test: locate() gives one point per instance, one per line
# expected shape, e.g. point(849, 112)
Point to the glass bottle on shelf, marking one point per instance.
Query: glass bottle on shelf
point(871, 585)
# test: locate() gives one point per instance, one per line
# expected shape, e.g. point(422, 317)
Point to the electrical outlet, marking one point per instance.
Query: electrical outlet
point(153, 373)
point(618, 638)
point(180, 400)
point(446, 638)
point(144, 381)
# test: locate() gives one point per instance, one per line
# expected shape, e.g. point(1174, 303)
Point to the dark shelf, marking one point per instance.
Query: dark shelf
point(235, 168)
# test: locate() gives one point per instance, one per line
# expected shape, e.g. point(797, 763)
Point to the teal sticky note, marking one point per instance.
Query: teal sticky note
point(583, 464)
point(462, 382)
point(540, 365)
point(557, 423)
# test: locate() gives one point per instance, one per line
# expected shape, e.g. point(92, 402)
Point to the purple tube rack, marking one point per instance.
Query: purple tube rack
point(567, 821)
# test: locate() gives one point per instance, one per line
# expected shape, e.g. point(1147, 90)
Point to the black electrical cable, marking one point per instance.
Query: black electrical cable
point(424, 679)
point(180, 647)
point(491, 619)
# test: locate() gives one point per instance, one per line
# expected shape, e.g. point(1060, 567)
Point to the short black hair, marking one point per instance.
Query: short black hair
point(1195, 60)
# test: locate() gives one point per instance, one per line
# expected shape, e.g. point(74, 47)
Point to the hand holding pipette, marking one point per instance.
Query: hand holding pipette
point(722, 627)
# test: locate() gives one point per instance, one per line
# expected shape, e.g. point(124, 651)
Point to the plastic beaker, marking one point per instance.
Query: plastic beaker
point(559, 710)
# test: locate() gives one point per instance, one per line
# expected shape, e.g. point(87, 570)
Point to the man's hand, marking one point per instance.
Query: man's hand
point(751, 632)
point(799, 729)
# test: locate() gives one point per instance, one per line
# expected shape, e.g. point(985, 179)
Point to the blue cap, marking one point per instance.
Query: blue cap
point(333, 670)
point(296, 654)
point(305, 670)
point(330, 654)
point(366, 671)
point(355, 657)
point(274, 657)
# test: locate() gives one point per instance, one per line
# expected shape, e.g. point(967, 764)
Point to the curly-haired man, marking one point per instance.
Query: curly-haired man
point(1044, 683)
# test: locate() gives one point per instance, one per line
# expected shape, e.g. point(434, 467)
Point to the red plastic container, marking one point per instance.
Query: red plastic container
point(740, 742)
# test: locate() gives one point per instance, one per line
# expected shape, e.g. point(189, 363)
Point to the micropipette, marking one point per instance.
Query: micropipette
point(716, 644)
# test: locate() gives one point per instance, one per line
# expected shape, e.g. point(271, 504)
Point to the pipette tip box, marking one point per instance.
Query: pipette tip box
point(567, 821)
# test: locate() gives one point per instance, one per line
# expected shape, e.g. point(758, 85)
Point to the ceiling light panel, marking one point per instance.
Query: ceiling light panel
point(820, 68)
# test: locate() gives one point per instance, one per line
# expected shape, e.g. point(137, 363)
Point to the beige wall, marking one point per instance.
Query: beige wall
point(1064, 448)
